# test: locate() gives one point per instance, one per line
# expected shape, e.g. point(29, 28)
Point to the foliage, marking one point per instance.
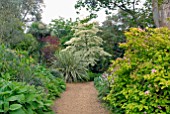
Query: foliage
point(53, 85)
point(11, 26)
point(129, 7)
point(19, 98)
point(18, 67)
point(13, 14)
point(102, 85)
point(71, 66)
point(92, 75)
point(140, 80)
point(27, 43)
point(86, 43)
point(16, 64)
point(112, 33)
point(62, 29)
point(38, 30)
point(51, 44)
point(24, 10)
point(31, 10)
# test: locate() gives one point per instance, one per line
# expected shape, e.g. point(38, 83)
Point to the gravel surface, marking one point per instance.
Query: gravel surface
point(79, 98)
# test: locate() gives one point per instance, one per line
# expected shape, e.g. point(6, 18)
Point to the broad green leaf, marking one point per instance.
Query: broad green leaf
point(6, 106)
point(19, 111)
point(15, 106)
point(1, 110)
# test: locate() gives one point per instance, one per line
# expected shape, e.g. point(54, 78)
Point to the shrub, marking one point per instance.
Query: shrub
point(71, 66)
point(51, 44)
point(141, 79)
point(53, 85)
point(92, 75)
point(19, 98)
point(17, 66)
point(27, 43)
point(87, 43)
point(16, 63)
point(102, 85)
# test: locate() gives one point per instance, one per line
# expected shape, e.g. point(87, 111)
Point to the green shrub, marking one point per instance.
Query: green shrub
point(141, 79)
point(16, 63)
point(19, 98)
point(92, 75)
point(71, 66)
point(53, 85)
point(27, 43)
point(17, 66)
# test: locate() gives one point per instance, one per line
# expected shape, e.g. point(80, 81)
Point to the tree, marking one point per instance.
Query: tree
point(129, 7)
point(12, 18)
point(11, 26)
point(86, 43)
point(161, 13)
point(62, 29)
point(31, 10)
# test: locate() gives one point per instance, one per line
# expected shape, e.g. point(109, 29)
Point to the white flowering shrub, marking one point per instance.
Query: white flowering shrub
point(86, 43)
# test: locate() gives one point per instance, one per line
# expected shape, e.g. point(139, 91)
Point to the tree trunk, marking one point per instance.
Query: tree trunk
point(161, 13)
point(155, 12)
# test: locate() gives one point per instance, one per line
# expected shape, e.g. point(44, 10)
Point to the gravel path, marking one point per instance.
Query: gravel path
point(79, 98)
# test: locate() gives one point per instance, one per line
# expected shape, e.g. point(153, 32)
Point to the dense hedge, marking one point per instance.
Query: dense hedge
point(140, 82)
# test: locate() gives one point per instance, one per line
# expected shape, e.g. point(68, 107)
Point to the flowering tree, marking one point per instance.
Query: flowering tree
point(87, 43)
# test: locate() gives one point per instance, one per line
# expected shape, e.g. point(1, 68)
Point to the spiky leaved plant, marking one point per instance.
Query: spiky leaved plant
point(71, 66)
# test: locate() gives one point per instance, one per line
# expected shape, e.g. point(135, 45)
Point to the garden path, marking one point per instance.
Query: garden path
point(79, 98)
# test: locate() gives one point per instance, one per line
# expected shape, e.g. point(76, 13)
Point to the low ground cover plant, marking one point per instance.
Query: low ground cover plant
point(20, 98)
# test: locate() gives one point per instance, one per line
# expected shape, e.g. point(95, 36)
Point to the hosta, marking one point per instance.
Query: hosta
point(19, 98)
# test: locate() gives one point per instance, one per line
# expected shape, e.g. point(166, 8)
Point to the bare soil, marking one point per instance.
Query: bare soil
point(79, 98)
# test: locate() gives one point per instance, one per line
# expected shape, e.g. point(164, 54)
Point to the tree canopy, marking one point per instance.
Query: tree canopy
point(137, 11)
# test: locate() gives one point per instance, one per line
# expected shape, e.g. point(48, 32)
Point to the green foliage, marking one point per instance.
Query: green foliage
point(13, 15)
point(8, 19)
point(16, 64)
point(53, 85)
point(92, 75)
point(86, 43)
point(38, 30)
point(112, 33)
point(31, 10)
point(71, 66)
point(136, 12)
point(140, 80)
point(19, 98)
point(27, 43)
point(102, 85)
point(62, 29)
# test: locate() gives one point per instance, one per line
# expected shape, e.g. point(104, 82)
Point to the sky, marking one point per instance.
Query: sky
point(65, 8)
